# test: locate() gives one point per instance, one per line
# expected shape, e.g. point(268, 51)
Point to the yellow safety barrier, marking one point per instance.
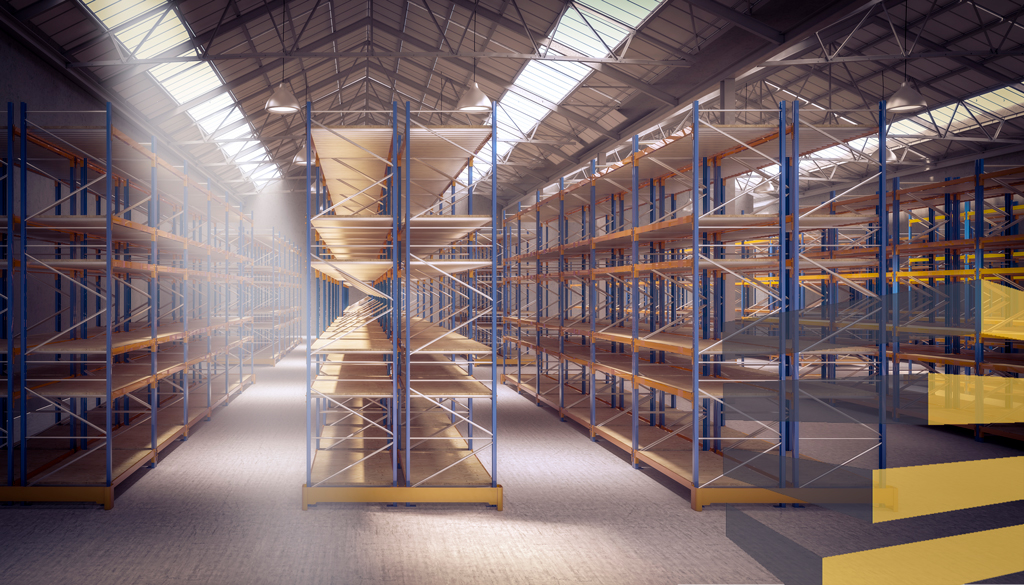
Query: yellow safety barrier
point(944, 561)
point(908, 492)
point(955, 399)
point(1002, 310)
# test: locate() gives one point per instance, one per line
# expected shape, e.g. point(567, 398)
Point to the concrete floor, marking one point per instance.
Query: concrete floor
point(225, 507)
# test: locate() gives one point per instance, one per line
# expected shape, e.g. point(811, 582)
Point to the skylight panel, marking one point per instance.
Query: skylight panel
point(216, 113)
point(154, 34)
point(168, 33)
point(256, 154)
point(577, 31)
point(629, 12)
point(591, 27)
point(242, 131)
point(551, 79)
point(521, 111)
point(186, 83)
point(116, 12)
point(1003, 102)
point(907, 126)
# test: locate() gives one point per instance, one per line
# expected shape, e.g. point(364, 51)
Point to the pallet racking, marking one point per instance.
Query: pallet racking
point(395, 412)
point(276, 307)
point(789, 304)
point(127, 313)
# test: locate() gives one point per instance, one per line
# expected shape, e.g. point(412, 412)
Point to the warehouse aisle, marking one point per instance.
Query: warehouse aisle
point(224, 507)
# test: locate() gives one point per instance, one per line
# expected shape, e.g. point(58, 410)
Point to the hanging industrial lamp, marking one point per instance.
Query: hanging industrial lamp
point(474, 100)
point(905, 100)
point(300, 157)
point(282, 101)
point(890, 155)
point(765, 188)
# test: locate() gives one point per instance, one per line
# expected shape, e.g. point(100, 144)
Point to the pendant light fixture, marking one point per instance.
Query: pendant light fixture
point(474, 100)
point(906, 99)
point(765, 188)
point(282, 101)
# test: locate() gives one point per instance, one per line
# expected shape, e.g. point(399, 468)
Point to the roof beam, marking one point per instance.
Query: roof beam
point(259, 72)
point(380, 54)
point(934, 46)
point(483, 74)
point(928, 55)
point(744, 21)
point(245, 18)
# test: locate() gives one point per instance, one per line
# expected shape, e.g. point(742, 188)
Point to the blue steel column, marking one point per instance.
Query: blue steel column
point(979, 261)
point(635, 300)
point(895, 297)
point(307, 269)
point(211, 364)
point(184, 302)
point(562, 305)
point(883, 251)
point(784, 300)
point(541, 356)
point(108, 300)
point(695, 306)
point(154, 308)
point(592, 285)
point(494, 297)
point(519, 289)
point(407, 277)
point(9, 292)
point(23, 302)
point(393, 195)
point(794, 297)
point(252, 302)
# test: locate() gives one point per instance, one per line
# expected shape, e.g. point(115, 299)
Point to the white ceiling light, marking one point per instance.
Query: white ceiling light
point(765, 188)
point(890, 155)
point(905, 100)
point(300, 157)
point(282, 101)
point(474, 100)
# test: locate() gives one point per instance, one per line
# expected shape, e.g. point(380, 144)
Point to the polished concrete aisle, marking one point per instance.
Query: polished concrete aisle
point(225, 508)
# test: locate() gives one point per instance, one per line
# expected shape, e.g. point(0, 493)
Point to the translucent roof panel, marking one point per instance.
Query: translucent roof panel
point(552, 79)
point(114, 13)
point(589, 33)
point(591, 27)
point(628, 12)
point(186, 81)
point(216, 113)
point(149, 28)
point(1005, 102)
point(522, 113)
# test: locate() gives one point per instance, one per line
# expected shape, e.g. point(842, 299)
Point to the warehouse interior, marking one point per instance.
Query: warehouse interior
point(509, 291)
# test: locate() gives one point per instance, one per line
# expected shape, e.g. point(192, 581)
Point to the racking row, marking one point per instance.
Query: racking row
point(396, 412)
point(127, 312)
point(670, 319)
point(276, 307)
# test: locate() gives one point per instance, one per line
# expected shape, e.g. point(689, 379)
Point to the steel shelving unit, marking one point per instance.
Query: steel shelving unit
point(277, 307)
point(786, 309)
point(128, 317)
point(659, 349)
point(396, 412)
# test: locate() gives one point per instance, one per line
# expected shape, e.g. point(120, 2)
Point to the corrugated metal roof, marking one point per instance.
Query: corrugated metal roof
point(567, 111)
